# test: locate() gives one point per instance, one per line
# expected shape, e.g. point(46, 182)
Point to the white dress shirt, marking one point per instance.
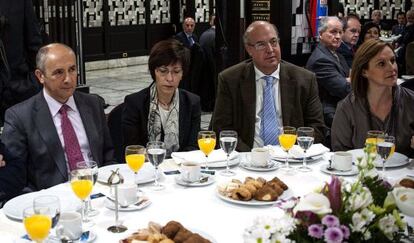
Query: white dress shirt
point(75, 119)
point(260, 84)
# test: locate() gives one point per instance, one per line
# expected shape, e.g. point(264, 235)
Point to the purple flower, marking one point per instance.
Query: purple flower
point(345, 231)
point(334, 194)
point(333, 235)
point(330, 220)
point(307, 218)
point(386, 184)
point(315, 231)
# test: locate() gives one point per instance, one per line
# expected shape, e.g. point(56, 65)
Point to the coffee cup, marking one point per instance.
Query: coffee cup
point(342, 161)
point(70, 225)
point(127, 194)
point(190, 171)
point(260, 157)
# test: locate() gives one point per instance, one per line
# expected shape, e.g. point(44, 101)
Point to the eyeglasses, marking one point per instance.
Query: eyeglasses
point(165, 71)
point(261, 45)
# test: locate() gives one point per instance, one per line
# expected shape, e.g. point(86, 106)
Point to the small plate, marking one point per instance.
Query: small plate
point(352, 172)
point(145, 174)
point(272, 165)
point(285, 195)
point(210, 180)
point(111, 205)
point(396, 160)
point(221, 164)
point(86, 237)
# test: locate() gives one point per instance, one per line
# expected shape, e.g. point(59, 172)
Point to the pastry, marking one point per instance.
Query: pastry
point(281, 183)
point(266, 193)
point(196, 238)
point(407, 183)
point(242, 194)
point(171, 229)
point(182, 235)
point(276, 187)
point(156, 238)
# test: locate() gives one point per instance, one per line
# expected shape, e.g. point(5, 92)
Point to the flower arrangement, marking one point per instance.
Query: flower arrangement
point(361, 211)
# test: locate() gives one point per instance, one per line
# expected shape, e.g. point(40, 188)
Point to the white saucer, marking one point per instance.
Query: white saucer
point(111, 205)
point(52, 238)
point(352, 172)
point(210, 180)
point(272, 165)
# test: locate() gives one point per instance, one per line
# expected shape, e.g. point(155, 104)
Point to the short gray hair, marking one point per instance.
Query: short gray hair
point(252, 26)
point(41, 55)
point(323, 23)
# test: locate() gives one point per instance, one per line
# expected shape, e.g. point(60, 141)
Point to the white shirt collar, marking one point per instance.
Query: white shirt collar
point(259, 74)
point(54, 105)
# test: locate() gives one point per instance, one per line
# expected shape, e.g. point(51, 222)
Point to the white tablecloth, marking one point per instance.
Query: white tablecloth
point(197, 208)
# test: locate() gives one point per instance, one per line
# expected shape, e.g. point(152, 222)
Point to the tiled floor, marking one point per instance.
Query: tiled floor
point(114, 84)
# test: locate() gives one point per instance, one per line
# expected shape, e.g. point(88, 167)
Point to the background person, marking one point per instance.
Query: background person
point(187, 37)
point(20, 40)
point(370, 30)
point(400, 26)
point(352, 28)
point(163, 112)
point(376, 101)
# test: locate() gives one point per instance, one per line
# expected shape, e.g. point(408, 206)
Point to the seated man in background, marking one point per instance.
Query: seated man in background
point(376, 17)
point(12, 174)
point(352, 28)
point(58, 127)
point(187, 37)
point(257, 96)
point(330, 67)
point(400, 26)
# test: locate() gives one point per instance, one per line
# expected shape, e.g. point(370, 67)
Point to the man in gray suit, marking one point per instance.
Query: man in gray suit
point(330, 67)
point(37, 129)
point(257, 96)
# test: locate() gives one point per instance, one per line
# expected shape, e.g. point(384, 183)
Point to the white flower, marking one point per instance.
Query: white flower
point(387, 225)
point(367, 235)
point(314, 202)
point(270, 230)
point(360, 220)
point(360, 199)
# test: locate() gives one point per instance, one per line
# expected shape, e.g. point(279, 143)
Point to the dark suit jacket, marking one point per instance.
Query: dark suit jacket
point(347, 53)
point(397, 29)
point(12, 176)
point(29, 133)
point(236, 101)
point(183, 39)
point(331, 77)
point(135, 119)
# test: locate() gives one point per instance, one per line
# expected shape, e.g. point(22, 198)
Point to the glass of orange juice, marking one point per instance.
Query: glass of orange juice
point(206, 143)
point(81, 181)
point(135, 158)
point(37, 224)
point(287, 139)
point(371, 140)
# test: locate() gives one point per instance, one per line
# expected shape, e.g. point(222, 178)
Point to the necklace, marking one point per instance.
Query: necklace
point(164, 104)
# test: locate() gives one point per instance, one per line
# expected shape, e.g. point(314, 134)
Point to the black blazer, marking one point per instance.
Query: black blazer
point(135, 119)
point(29, 133)
point(12, 176)
point(182, 37)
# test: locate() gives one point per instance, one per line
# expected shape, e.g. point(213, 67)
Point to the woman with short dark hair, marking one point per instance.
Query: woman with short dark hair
point(376, 101)
point(369, 30)
point(163, 112)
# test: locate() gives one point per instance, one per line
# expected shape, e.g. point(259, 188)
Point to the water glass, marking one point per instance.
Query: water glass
point(228, 142)
point(156, 153)
point(305, 140)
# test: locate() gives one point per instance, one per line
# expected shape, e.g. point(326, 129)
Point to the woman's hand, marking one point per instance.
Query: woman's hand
point(3, 163)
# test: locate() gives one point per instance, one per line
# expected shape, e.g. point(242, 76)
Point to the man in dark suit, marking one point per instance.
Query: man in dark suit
point(187, 37)
point(400, 26)
point(352, 28)
point(20, 40)
point(12, 174)
point(330, 67)
point(58, 127)
point(257, 96)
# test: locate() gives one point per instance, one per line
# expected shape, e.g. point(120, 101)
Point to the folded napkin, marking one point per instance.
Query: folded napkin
point(199, 157)
point(297, 153)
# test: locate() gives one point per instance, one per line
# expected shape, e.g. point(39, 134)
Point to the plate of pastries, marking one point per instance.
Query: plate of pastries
point(254, 191)
point(172, 232)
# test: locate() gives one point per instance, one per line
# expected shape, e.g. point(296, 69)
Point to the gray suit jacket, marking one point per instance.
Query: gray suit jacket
point(331, 77)
point(29, 133)
point(236, 101)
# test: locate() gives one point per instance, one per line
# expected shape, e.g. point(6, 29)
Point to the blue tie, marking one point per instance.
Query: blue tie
point(270, 122)
point(191, 40)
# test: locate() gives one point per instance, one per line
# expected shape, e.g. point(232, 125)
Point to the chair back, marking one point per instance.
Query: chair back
point(115, 129)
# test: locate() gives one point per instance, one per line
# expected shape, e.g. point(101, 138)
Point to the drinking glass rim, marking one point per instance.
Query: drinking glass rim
point(152, 143)
point(228, 132)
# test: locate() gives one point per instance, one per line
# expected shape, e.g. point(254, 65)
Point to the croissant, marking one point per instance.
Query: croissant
point(242, 194)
